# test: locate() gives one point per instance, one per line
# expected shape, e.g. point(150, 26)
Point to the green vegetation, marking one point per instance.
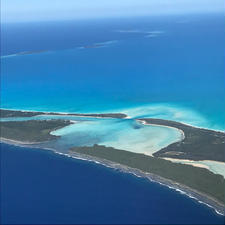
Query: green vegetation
point(11, 113)
point(104, 115)
point(14, 113)
point(32, 130)
point(199, 144)
point(199, 179)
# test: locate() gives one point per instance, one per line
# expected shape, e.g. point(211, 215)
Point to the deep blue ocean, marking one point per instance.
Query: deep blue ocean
point(41, 187)
point(164, 67)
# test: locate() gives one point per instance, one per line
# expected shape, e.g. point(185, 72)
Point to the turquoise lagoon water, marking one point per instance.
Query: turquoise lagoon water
point(169, 68)
point(127, 134)
point(124, 134)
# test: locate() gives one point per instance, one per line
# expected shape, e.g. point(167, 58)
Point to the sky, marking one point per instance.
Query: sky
point(45, 10)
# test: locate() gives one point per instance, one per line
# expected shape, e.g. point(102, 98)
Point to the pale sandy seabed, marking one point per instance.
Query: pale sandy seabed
point(148, 140)
point(213, 166)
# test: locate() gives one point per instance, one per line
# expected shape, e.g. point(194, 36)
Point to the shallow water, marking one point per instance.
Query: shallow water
point(175, 74)
point(126, 134)
point(213, 166)
point(178, 74)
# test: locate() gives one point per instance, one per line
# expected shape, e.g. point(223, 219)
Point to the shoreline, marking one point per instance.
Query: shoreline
point(201, 164)
point(127, 117)
point(215, 166)
point(183, 137)
point(189, 192)
point(200, 197)
point(145, 121)
point(90, 115)
point(19, 143)
point(203, 128)
point(189, 162)
point(157, 125)
point(34, 141)
point(182, 189)
point(182, 123)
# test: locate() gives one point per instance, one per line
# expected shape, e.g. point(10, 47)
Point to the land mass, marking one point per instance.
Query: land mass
point(199, 179)
point(93, 46)
point(31, 131)
point(18, 113)
point(198, 143)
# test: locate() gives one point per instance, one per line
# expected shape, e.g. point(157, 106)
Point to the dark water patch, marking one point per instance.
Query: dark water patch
point(39, 186)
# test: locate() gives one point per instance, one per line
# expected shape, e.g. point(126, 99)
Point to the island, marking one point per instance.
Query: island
point(199, 182)
point(197, 144)
point(4, 113)
point(31, 131)
point(93, 46)
point(31, 52)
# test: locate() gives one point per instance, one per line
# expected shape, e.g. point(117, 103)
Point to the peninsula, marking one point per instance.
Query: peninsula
point(31, 131)
point(197, 144)
point(191, 179)
point(4, 113)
